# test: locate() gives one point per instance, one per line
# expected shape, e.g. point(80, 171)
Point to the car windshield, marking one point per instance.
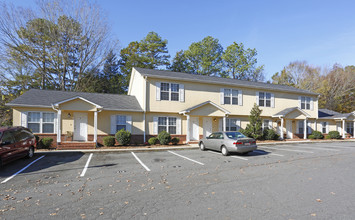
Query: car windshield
point(235, 135)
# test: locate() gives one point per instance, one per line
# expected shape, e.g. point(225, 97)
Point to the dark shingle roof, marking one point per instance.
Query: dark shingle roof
point(329, 114)
point(213, 79)
point(45, 98)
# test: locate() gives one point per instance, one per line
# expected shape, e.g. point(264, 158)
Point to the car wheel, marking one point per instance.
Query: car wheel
point(202, 146)
point(30, 152)
point(224, 151)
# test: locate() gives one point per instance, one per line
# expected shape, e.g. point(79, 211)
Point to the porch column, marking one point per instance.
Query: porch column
point(224, 123)
point(188, 128)
point(282, 129)
point(95, 126)
point(59, 130)
point(305, 129)
point(343, 128)
point(354, 130)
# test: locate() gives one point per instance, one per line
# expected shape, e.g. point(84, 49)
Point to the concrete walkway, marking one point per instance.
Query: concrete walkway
point(184, 147)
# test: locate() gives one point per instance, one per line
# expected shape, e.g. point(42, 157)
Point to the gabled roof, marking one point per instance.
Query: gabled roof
point(202, 104)
point(286, 111)
point(164, 74)
point(329, 114)
point(45, 99)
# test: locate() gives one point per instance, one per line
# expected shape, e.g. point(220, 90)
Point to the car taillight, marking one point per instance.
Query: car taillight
point(237, 143)
point(253, 142)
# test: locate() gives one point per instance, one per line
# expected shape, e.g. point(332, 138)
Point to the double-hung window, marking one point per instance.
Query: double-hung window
point(121, 122)
point(40, 122)
point(167, 124)
point(231, 96)
point(169, 91)
point(266, 124)
point(232, 124)
point(350, 128)
point(265, 99)
point(305, 103)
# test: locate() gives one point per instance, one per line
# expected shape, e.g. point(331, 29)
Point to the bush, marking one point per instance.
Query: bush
point(327, 137)
point(109, 141)
point(334, 135)
point(271, 134)
point(317, 135)
point(153, 141)
point(311, 136)
point(175, 140)
point(245, 132)
point(123, 137)
point(164, 138)
point(46, 142)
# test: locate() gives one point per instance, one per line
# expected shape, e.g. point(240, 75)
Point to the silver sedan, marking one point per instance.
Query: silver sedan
point(227, 142)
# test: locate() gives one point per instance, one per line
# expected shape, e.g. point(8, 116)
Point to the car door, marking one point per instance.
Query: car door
point(8, 146)
point(219, 141)
point(209, 141)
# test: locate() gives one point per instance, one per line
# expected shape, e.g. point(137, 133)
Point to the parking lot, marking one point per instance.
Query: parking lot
point(298, 181)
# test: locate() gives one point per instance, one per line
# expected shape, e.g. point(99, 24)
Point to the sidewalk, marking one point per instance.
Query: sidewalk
point(185, 147)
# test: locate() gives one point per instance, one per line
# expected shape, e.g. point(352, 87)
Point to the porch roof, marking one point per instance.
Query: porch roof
point(45, 99)
point(286, 111)
point(329, 114)
point(202, 104)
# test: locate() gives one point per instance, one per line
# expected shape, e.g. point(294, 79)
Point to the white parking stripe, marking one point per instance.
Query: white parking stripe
point(302, 151)
point(186, 158)
point(268, 153)
point(316, 148)
point(86, 166)
point(145, 167)
point(242, 158)
point(22, 169)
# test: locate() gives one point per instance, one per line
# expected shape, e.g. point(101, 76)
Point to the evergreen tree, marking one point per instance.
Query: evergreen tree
point(254, 128)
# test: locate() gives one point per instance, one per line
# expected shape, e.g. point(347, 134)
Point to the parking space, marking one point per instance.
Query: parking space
point(77, 175)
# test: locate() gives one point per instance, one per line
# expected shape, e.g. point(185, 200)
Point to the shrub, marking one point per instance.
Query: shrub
point(334, 135)
point(245, 132)
point(327, 137)
point(46, 142)
point(317, 135)
point(153, 141)
point(164, 138)
point(123, 137)
point(271, 134)
point(175, 140)
point(254, 128)
point(109, 141)
point(311, 136)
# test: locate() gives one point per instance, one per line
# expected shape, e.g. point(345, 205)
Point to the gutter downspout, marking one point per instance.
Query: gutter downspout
point(59, 119)
point(145, 108)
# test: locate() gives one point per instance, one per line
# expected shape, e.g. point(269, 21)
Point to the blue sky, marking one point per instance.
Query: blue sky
point(320, 32)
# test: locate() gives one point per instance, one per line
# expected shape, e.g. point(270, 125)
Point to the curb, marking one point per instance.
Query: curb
point(185, 147)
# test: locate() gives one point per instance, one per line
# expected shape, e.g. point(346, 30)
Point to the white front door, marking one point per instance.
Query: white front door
point(194, 129)
point(80, 126)
point(289, 129)
point(207, 126)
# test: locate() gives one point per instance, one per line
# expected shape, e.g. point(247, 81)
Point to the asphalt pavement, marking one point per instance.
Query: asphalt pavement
point(297, 181)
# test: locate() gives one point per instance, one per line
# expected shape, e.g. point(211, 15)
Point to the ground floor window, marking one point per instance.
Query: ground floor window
point(232, 124)
point(266, 124)
point(121, 122)
point(350, 128)
point(40, 122)
point(167, 124)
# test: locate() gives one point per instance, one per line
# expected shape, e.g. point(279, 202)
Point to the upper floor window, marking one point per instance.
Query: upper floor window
point(305, 103)
point(170, 91)
point(40, 122)
point(265, 99)
point(231, 97)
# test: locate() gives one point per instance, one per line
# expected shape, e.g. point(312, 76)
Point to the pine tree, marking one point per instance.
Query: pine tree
point(254, 128)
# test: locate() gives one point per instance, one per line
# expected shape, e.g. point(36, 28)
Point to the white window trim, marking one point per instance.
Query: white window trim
point(41, 121)
point(179, 92)
point(326, 127)
point(239, 96)
point(311, 103)
point(167, 124)
point(272, 99)
point(114, 123)
point(269, 125)
point(228, 123)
